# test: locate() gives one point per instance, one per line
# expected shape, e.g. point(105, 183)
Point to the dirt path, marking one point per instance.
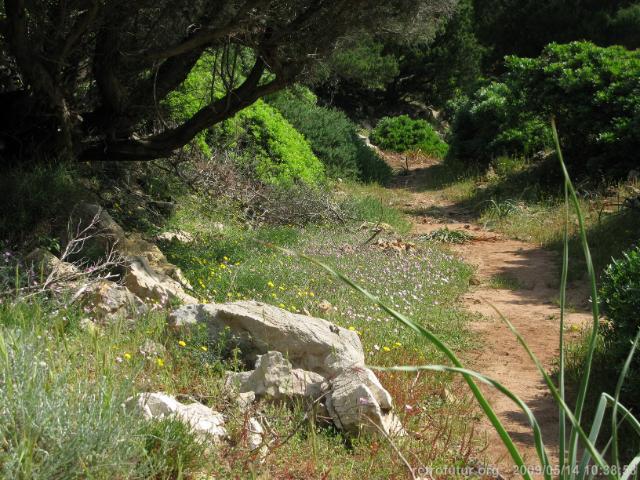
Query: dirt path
point(528, 302)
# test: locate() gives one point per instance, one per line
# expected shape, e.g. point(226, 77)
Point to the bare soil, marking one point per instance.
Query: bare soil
point(530, 303)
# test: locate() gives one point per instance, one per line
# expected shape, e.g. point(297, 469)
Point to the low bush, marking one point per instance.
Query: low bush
point(593, 92)
point(620, 298)
point(264, 141)
point(259, 138)
point(332, 136)
point(620, 293)
point(62, 414)
point(402, 134)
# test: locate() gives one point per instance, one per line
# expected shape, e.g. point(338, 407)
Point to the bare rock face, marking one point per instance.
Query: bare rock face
point(46, 263)
point(275, 379)
point(309, 343)
point(358, 402)
point(136, 247)
point(148, 273)
point(149, 284)
point(202, 420)
point(108, 301)
point(179, 236)
point(106, 231)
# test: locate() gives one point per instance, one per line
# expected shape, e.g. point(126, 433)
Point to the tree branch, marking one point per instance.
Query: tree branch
point(79, 28)
point(165, 143)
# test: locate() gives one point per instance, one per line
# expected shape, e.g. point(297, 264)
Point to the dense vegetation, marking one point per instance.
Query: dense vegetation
point(593, 91)
point(620, 293)
point(240, 128)
point(332, 136)
point(402, 134)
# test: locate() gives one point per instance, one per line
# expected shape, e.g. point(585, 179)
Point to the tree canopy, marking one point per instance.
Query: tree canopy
point(88, 77)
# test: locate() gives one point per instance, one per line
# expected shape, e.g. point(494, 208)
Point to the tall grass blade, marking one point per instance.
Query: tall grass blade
point(615, 454)
point(562, 435)
point(481, 399)
point(631, 468)
point(533, 422)
point(596, 425)
point(584, 382)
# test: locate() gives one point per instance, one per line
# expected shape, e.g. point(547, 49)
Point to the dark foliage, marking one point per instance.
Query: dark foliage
point(332, 137)
point(524, 28)
point(403, 134)
point(85, 77)
point(593, 92)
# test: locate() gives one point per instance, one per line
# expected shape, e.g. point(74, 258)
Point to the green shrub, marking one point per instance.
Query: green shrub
point(258, 137)
point(270, 145)
point(332, 137)
point(620, 300)
point(493, 122)
point(620, 293)
point(594, 92)
point(402, 134)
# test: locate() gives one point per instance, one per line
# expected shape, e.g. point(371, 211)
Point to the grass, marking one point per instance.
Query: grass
point(236, 265)
point(525, 202)
point(444, 235)
point(578, 444)
point(505, 282)
point(64, 418)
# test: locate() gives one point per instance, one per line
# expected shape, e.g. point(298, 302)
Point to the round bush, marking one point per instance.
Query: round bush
point(332, 136)
point(594, 92)
point(620, 295)
point(402, 134)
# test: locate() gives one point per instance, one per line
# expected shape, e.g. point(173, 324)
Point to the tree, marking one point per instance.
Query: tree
point(87, 78)
point(525, 27)
point(386, 74)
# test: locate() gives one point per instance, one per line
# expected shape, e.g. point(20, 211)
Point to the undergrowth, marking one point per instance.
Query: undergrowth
point(62, 417)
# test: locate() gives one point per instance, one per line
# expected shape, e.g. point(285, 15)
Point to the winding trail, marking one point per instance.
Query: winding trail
point(529, 303)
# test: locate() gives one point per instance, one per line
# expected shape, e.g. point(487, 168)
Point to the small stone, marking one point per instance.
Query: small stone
point(324, 306)
point(204, 421)
point(151, 349)
point(178, 236)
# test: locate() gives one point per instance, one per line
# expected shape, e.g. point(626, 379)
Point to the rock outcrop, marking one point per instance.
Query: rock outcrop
point(152, 285)
point(275, 379)
point(202, 420)
point(298, 357)
point(108, 301)
point(309, 343)
point(357, 402)
point(46, 263)
point(148, 273)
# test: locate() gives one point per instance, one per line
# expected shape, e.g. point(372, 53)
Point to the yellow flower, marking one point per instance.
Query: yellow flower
point(223, 266)
point(127, 356)
point(160, 362)
point(311, 294)
point(397, 344)
point(386, 349)
point(281, 288)
point(182, 343)
point(282, 305)
point(225, 258)
point(270, 284)
point(353, 329)
point(203, 348)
